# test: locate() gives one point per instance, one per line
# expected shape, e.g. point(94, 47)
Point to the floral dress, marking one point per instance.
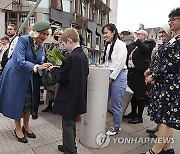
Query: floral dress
point(165, 104)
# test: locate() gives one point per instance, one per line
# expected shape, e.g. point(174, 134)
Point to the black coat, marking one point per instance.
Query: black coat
point(142, 55)
point(71, 98)
point(141, 59)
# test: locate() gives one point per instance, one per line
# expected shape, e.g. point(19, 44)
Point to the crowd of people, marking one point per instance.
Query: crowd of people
point(156, 77)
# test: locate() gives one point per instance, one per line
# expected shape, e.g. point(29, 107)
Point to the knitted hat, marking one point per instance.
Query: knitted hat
point(41, 26)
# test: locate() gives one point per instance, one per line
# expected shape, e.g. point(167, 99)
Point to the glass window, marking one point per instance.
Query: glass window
point(84, 8)
point(98, 40)
point(103, 18)
point(45, 16)
point(66, 5)
point(42, 4)
point(104, 1)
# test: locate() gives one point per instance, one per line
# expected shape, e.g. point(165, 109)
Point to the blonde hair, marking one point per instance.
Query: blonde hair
point(70, 33)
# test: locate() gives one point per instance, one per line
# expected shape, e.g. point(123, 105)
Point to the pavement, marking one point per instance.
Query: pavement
point(49, 135)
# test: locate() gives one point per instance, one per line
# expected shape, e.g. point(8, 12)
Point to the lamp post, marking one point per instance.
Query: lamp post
point(29, 15)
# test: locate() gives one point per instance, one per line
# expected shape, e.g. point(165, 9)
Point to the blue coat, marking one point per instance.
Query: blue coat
point(17, 75)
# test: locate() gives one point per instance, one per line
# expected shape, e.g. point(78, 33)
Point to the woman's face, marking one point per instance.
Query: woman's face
point(164, 35)
point(174, 23)
point(42, 37)
point(57, 36)
point(4, 41)
point(108, 35)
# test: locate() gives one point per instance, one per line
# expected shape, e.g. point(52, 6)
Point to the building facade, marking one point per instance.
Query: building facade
point(88, 16)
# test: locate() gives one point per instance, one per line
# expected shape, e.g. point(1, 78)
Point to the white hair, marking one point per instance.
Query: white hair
point(34, 34)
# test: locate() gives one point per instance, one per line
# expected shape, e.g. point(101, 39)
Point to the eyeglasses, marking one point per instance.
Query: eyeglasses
point(173, 19)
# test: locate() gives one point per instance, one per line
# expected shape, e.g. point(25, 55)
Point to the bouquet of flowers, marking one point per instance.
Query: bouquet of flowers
point(55, 57)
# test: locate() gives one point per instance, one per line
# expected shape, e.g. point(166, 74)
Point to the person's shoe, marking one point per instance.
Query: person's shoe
point(48, 109)
point(61, 148)
point(135, 121)
point(129, 116)
point(152, 136)
point(170, 151)
point(34, 116)
point(113, 131)
point(22, 140)
point(152, 152)
point(30, 135)
point(150, 131)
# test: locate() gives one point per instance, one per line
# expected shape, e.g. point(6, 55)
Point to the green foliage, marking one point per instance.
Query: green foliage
point(55, 57)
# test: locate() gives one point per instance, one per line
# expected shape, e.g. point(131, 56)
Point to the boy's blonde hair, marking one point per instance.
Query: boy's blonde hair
point(70, 33)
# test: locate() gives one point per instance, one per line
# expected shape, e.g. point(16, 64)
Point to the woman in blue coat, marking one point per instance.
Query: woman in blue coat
point(16, 81)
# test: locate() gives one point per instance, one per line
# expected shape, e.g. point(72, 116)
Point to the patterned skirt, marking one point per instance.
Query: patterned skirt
point(165, 105)
point(28, 100)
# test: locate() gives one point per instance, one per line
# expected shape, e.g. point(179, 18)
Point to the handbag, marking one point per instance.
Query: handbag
point(47, 79)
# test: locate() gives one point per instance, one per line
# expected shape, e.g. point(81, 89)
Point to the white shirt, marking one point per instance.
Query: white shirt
point(118, 59)
point(12, 46)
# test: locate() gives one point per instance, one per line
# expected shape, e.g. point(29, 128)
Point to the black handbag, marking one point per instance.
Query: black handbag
point(47, 79)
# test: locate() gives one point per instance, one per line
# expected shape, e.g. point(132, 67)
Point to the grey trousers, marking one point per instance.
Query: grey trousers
point(69, 135)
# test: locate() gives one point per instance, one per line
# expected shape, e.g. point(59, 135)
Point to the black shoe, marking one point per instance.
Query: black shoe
point(22, 140)
point(170, 151)
point(152, 152)
point(150, 131)
point(152, 136)
point(61, 148)
point(34, 116)
point(48, 108)
point(135, 121)
point(30, 135)
point(129, 116)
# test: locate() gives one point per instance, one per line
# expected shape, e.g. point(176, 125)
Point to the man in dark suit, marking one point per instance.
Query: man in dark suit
point(139, 57)
point(71, 98)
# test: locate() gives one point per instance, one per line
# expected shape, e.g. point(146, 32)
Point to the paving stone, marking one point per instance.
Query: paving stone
point(47, 141)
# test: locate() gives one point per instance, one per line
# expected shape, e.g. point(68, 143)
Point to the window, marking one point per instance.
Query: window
point(12, 17)
point(108, 3)
point(66, 5)
point(104, 1)
point(103, 18)
point(95, 14)
point(84, 8)
point(89, 38)
point(44, 4)
point(98, 41)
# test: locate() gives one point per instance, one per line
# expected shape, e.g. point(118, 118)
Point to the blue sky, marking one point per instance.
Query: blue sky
point(151, 13)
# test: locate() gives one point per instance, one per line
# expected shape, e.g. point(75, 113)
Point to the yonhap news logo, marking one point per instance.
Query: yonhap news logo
point(102, 140)
point(136, 140)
